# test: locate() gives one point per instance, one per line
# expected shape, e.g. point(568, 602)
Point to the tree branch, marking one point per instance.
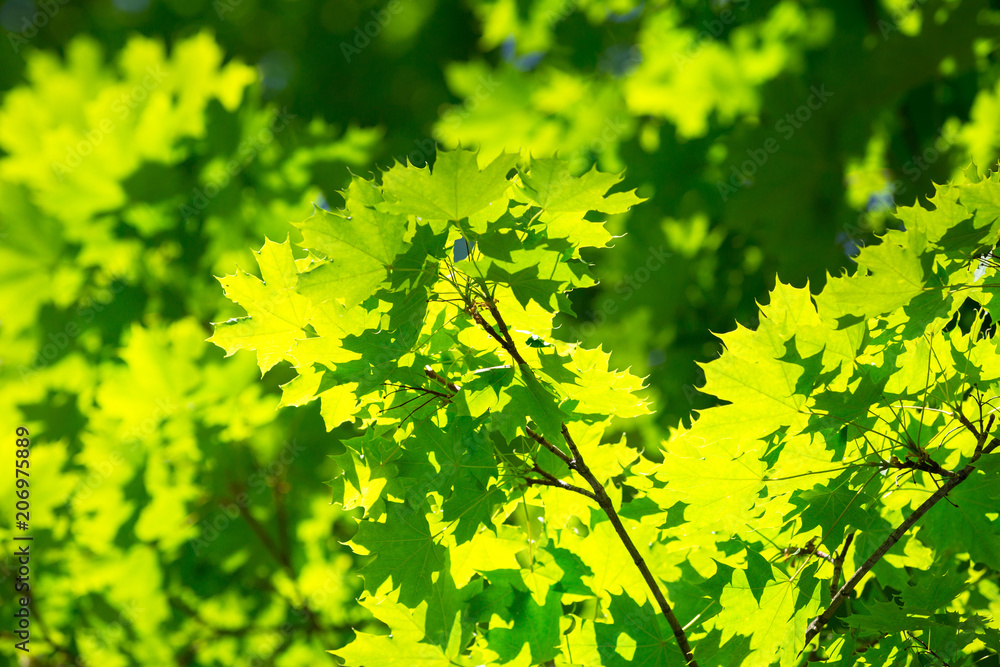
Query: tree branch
point(504, 338)
point(540, 439)
point(894, 537)
point(838, 565)
point(440, 379)
point(510, 346)
point(559, 484)
point(602, 498)
point(422, 390)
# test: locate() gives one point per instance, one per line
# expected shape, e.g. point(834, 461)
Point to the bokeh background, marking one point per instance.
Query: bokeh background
point(179, 510)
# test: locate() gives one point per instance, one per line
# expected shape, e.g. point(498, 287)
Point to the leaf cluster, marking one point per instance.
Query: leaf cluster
point(852, 459)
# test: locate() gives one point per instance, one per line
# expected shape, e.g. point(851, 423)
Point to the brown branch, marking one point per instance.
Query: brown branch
point(414, 410)
point(440, 379)
point(602, 498)
point(966, 423)
point(552, 480)
point(838, 565)
point(577, 463)
point(559, 484)
point(511, 347)
point(989, 424)
point(540, 439)
point(504, 338)
point(423, 390)
point(817, 624)
point(824, 556)
point(505, 343)
point(805, 551)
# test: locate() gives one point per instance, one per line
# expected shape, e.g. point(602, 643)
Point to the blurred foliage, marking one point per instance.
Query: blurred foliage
point(770, 138)
point(146, 145)
point(166, 530)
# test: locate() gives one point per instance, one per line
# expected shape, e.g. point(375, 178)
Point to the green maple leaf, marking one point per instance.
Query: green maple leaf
point(433, 632)
point(587, 379)
point(541, 276)
point(643, 630)
point(409, 642)
point(719, 481)
point(842, 502)
point(968, 524)
point(536, 402)
point(752, 376)
point(535, 625)
point(458, 463)
point(550, 184)
point(276, 313)
point(565, 199)
point(534, 267)
point(359, 247)
point(888, 276)
point(406, 553)
point(453, 189)
point(781, 608)
point(387, 651)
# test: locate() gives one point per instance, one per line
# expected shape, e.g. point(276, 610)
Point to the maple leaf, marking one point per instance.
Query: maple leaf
point(359, 248)
point(276, 313)
point(406, 552)
point(453, 189)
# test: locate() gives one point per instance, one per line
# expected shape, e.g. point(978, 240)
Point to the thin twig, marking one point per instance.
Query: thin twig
point(894, 537)
point(838, 565)
point(510, 346)
point(803, 551)
point(403, 404)
point(560, 484)
point(577, 464)
point(504, 337)
point(927, 648)
point(416, 409)
point(966, 423)
point(423, 390)
point(602, 498)
point(440, 380)
point(548, 445)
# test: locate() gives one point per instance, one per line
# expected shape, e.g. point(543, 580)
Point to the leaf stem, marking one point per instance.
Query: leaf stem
point(928, 649)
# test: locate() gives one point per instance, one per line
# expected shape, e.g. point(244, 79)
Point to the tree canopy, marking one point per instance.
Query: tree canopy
point(734, 253)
